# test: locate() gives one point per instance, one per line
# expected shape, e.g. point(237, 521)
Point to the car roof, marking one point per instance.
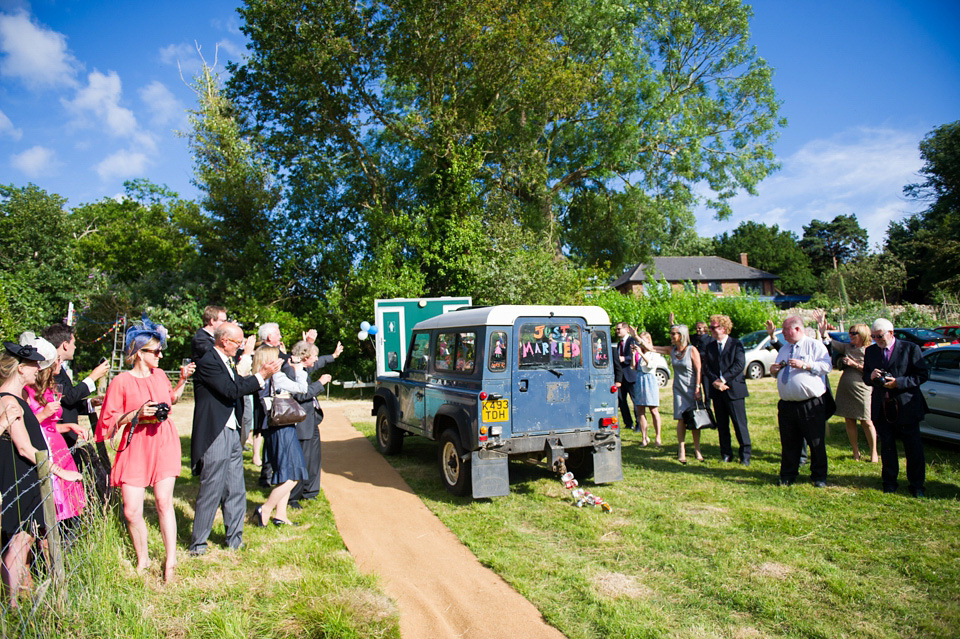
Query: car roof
point(506, 315)
point(945, 347)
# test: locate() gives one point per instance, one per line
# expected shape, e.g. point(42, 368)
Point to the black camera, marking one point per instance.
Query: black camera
point(163, 411)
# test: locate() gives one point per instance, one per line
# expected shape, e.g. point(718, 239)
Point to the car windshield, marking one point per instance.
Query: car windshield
point(751, 340)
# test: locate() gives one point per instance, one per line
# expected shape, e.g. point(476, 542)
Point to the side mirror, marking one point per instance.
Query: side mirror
point(393, 362)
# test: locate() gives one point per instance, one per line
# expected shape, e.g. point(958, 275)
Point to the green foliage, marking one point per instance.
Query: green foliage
point(838, 242)
point(878, 276)
point(772, 250)
point(913, 316)
point(929, 243)
point(652, 312)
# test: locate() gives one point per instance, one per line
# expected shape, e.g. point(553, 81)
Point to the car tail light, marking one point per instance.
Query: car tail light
point(483, 396)
point(609, 422)
point(930, 345)
point(614, 389)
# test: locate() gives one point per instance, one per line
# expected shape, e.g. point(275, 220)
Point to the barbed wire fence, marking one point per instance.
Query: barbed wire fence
point(48, 561)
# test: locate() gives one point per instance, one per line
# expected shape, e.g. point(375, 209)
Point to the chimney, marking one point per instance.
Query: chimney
point(743, 259)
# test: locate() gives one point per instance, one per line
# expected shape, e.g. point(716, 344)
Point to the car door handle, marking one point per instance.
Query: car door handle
point(419, 395)
point(932, 392)
point(523, 385)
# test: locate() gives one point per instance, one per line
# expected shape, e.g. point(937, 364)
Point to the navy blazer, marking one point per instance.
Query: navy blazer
point(216, 393)
point(910, 370)
point(626, 373)
point(729, 366)
point(74, 397)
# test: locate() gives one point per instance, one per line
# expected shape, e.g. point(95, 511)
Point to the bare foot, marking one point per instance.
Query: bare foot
point(168, 572)
point(659, 443)
point(699, 456)
point(856, 456)
point(144, 567)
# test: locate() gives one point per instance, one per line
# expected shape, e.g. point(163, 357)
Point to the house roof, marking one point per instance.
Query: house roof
point(693, 269)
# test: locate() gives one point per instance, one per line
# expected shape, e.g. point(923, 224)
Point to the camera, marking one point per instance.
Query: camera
point(163, 411)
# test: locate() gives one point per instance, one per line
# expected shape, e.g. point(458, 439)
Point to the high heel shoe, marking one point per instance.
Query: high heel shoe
point(281, 522)
point(682, 461)
point(257, 517)
point(699, 457)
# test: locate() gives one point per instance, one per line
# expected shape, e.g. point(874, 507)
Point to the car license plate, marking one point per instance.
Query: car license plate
point(495, 410)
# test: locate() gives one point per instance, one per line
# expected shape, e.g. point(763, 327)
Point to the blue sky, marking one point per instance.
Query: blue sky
point(91, 94)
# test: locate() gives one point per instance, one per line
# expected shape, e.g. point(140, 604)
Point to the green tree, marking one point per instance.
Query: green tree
point(880, 276)
point(928, 243)
point(586, 116)
point(772, 250)
point(840, 241)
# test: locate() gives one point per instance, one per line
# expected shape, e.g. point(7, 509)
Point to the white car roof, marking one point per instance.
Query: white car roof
point(506, 315)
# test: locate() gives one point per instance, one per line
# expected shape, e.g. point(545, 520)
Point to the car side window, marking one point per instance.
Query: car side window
point(456, 351)
point(419, 355)
point(498, 351)
point(601, 351)
point(946, 367)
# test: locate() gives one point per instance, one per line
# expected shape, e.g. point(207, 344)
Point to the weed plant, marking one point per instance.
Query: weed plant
point(712, 549)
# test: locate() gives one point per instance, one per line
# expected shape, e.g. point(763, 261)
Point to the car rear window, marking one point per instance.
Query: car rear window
point(601, 354)
point(549, 345)
point(498, 351)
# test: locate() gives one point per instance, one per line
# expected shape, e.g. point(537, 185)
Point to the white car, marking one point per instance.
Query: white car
point(759, 353)
point(942, 393)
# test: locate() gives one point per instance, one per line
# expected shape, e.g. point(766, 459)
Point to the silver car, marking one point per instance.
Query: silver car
point(759, 352)
point(942, 392)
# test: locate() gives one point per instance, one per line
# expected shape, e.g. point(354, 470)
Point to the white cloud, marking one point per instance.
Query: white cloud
point(862, 171)
point(7, 128)
point(37, 56)
point(162, 104)
point(34, 162)
point(184, 56)
point(232, 50)
point(121, 165)
point(101, 97)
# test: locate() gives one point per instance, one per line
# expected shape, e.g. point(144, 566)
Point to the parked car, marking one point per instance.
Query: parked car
point(922, 337)
point(663, 370)
point(950, 331)
point(942, 392)
point(759, 352)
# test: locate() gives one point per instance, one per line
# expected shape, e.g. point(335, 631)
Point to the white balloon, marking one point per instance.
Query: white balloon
point(362, 335)
point(364, 325)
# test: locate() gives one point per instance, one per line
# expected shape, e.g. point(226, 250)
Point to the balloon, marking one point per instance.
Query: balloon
point(373, 330)
point(362, 335)
point(364, 326)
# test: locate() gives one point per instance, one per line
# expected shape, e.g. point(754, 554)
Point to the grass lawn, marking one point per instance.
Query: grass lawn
point(718, 550)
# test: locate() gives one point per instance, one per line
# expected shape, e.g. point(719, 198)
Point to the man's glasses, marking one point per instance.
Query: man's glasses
point(876, 335)
point(238, 342)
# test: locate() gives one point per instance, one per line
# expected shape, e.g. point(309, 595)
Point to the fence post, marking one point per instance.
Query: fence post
point(54, 544)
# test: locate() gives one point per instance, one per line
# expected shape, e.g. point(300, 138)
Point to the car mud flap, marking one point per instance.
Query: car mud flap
point(606, 462)
point(490, 472)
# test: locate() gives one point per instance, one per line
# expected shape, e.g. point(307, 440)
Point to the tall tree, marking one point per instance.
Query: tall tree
point(929, 242)
point(772, 250)
point(839, 241)
point(586, 116)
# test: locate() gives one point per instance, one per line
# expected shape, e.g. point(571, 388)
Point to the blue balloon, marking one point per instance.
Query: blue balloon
point(364, 326)
point(373, 330)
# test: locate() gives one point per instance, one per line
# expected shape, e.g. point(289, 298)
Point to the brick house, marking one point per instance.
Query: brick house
point(715, 274)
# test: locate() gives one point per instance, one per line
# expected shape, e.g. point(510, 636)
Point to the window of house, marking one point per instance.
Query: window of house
point(752, 287)
point(715, 287)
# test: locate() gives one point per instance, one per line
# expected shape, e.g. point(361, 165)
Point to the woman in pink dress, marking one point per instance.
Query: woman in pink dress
point(148, 452)
point(68, 496)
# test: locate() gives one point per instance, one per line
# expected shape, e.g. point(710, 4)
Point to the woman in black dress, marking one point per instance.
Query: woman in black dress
point(20, 441)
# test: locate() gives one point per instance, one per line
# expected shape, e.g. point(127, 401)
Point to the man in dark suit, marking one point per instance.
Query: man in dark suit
point(216, 452)
point(74, 403)
point(895, 369)
point(213, 316)
point(625, 374)
point(723, 371)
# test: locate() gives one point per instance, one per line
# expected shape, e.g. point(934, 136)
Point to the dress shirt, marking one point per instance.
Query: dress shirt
point(231, 368)
point(888, 351)
point(721, 343)
point(799, 384)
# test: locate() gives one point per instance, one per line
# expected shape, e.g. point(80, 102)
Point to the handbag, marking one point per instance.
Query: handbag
point(699, 417)
point(285, 411)
point(829, 402)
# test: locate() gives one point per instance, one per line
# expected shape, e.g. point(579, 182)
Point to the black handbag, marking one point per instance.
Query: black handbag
point(829, 402)
point(699, 417)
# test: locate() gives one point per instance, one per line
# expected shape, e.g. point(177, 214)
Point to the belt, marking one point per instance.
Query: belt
point(811, 400)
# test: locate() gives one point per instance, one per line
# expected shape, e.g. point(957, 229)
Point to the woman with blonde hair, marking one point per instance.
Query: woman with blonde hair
point(280, 442)
point(20, 441)
point(648, 388)
point(136, 408)
point(853, 396)
point(687, 373)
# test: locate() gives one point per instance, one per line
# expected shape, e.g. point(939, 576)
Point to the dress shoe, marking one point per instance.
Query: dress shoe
point(295, 505)
point(745, 462)
point(242, 546)
point(889, 489)
point(784, 482)
point(726, 458)
point(820, 484)
point(279, 522)
point(918, 493)
point(257, 517)
point(197, 552)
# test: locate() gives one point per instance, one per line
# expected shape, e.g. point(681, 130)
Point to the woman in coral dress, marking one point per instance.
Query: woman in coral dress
point(148, 451)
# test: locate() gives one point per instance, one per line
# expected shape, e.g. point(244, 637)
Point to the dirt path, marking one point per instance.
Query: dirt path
point(439, 586)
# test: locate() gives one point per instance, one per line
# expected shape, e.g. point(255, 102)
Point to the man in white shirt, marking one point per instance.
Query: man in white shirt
point(800, 368)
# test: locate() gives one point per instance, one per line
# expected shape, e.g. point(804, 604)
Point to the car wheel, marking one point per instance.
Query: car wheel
point(454, 471)
point(580, 462)
point(663, 377)
point(389, 437)
point(755, 370)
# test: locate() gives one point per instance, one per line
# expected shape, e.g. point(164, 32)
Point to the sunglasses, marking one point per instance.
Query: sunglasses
point(156, 351)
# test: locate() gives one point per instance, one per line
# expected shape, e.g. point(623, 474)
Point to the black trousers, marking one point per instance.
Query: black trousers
point(799, 421)
point(912, 450)
point(309, 488)
point(727, 410)
point(628, 389)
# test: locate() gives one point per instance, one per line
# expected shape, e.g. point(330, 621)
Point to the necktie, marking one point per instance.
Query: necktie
point(786, 366)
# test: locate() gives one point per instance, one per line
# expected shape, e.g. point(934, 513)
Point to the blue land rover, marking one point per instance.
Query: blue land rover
point(491, 383)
